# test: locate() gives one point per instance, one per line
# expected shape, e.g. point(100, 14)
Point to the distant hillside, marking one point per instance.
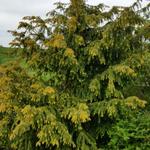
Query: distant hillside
point(6, 54)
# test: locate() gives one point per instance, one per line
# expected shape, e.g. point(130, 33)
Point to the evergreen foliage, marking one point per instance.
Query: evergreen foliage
point(73, 93)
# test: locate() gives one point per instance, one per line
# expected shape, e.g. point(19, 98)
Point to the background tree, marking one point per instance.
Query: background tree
point(72, 92)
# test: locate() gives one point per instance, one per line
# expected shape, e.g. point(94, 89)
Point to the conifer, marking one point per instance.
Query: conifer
point(78, 61)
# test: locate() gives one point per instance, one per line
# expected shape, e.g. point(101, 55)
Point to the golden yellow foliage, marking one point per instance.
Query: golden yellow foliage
point(57, 41)
point(78, 114)
point(69, 52)
point(36, 86)
point(135, 102)
point(48, 90)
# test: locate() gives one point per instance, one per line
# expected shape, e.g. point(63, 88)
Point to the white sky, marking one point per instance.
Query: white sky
point(11, 12)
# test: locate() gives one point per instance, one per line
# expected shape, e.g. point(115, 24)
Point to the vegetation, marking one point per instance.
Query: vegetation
point(6, 54)
point(79, 90)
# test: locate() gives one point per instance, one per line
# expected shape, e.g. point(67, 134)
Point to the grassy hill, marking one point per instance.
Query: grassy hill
point(6, 54)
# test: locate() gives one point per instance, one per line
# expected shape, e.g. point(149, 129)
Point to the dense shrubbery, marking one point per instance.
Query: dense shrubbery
point(75, 91)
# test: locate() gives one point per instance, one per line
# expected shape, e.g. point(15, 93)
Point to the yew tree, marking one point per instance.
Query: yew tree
point(67, 89)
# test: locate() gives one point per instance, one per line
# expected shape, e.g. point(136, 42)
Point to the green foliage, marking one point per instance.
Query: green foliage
point(131, 133)
point(73, 92)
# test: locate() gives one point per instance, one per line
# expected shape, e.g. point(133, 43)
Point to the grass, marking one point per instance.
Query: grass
point(6, 54)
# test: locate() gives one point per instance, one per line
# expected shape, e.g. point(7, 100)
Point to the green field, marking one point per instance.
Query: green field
point(6, 54)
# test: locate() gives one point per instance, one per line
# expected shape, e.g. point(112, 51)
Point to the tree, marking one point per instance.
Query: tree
point(79, 61)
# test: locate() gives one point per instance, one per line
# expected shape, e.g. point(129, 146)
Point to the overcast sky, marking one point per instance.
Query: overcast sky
point(11, 12)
